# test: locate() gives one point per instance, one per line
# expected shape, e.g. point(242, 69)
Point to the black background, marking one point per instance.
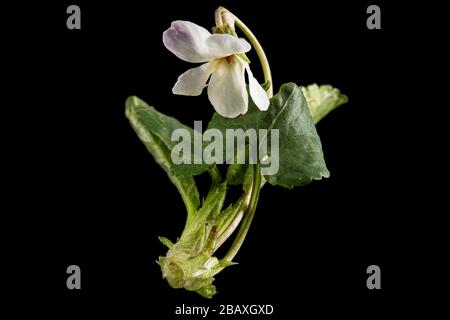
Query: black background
point(95, 197)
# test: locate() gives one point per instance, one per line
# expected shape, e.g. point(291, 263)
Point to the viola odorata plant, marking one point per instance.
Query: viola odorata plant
point(253, 138)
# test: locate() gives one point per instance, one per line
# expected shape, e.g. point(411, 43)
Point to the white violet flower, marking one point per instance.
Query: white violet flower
point(224, 69)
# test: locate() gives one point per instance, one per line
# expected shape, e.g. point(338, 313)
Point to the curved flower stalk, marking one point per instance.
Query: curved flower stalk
point(190, 263)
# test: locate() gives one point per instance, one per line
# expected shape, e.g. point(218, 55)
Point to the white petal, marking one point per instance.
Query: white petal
point(193, 43)
point(186, 39)
point(226, 89)
point(192, 82)
point(224, 45)
point(258, 94)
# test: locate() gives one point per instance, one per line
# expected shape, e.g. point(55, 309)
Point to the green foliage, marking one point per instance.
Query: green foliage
point(300, 150)
point(322, 100)
point(190, 262)
point(154, 130)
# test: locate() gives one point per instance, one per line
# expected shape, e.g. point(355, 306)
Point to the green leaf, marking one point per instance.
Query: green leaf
point(322, 100)
point(154, 130)
point(163, 126)
point(165, 241)
point(236, 174)
point(300, 151)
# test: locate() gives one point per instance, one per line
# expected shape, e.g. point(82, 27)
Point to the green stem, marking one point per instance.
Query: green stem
point(236, 218)
point(223, 18)
point(245, 224)
point(216, 177)
point(219, 17)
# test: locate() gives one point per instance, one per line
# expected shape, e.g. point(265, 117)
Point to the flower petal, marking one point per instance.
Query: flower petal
point(186, 40)
point(193, 43)
point(224, 45)
point(192, 82)
point(258, 94)
point(226, 89)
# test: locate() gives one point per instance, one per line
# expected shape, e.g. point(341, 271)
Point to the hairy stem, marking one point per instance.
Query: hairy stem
point(236, 219)
point(245, 225)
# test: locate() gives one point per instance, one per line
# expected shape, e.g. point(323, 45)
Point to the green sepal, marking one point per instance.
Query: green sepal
point(166, 242)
